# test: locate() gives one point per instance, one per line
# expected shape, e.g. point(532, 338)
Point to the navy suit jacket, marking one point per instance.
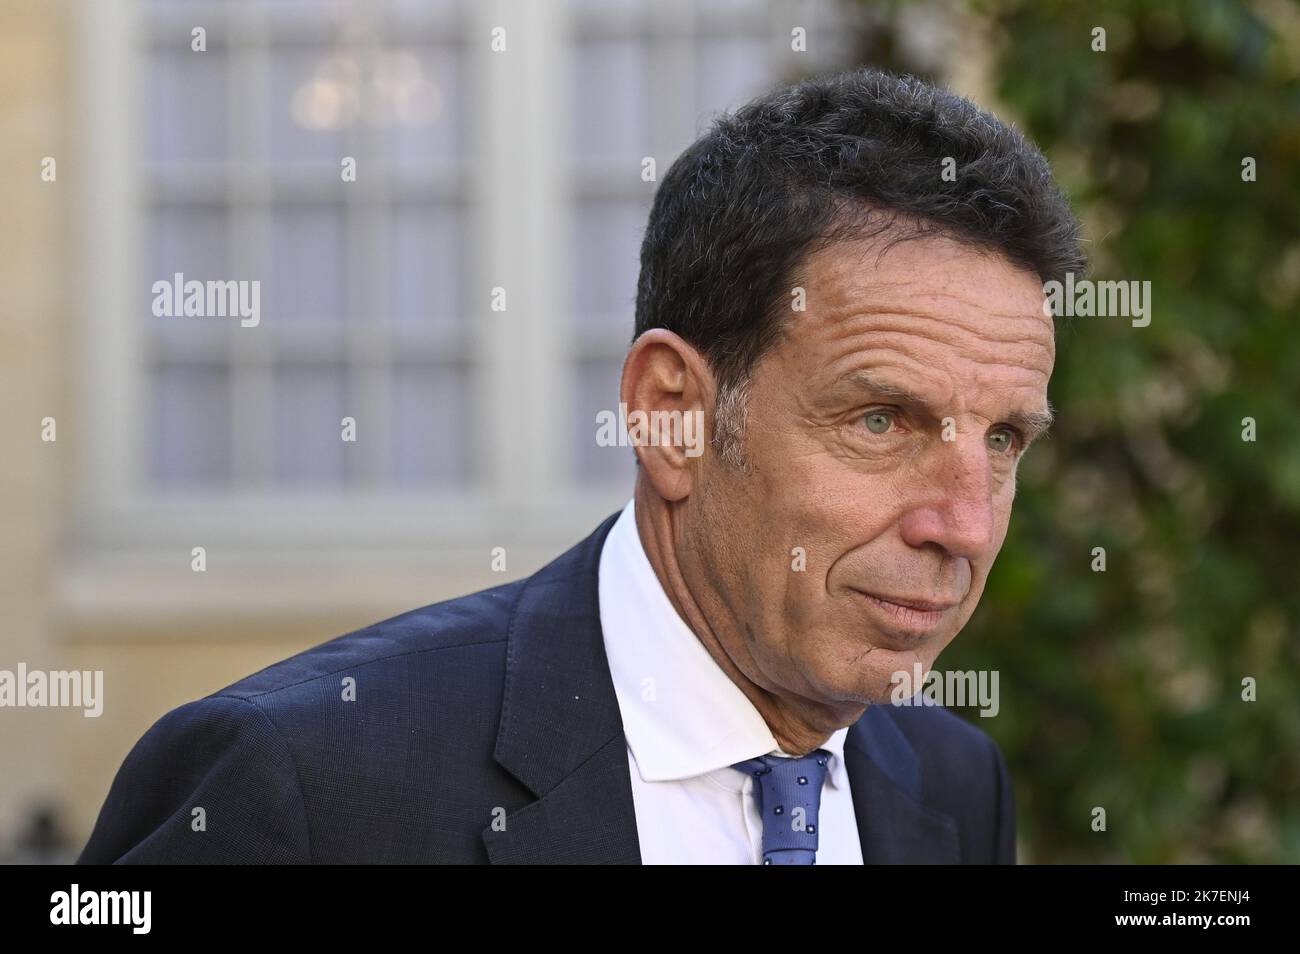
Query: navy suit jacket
point(485, 729)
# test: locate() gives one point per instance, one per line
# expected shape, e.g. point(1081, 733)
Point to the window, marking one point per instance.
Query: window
point(475, 170)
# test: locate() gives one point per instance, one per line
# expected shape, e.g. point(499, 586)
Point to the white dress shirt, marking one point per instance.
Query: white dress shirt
point(686, 722)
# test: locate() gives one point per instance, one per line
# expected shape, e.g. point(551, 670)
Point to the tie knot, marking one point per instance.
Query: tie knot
point(788, 793)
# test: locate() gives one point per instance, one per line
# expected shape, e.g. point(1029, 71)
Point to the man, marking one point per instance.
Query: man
point(845, 279)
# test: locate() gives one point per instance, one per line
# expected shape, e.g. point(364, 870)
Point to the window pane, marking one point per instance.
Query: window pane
point(309, 407)
point(611, 122)
point(600, 7)
point(426, 264)
point(418, 95)
point(419, 9)
point(191, 431)
point(314, 96)
point(187, 112)
point(606, 262)
point(430, 426)
point(730, 70)
point(596, 385)
point(190, 240)
point(308, 264)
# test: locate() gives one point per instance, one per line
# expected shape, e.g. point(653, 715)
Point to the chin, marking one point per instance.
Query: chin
point(881, 682)
point(868, 679)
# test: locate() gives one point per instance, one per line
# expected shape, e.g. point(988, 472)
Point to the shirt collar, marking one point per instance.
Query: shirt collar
point(682, 714)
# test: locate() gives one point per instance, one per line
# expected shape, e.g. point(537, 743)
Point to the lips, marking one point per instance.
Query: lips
point(907, 616)
point(907, 602)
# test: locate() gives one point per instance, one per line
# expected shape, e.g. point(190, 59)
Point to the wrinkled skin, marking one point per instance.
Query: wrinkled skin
point(881, 438)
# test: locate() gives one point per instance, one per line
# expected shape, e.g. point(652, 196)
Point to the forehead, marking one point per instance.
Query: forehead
point(933, 309)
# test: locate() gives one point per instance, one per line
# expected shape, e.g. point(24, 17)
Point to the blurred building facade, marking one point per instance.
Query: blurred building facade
point(481, 174)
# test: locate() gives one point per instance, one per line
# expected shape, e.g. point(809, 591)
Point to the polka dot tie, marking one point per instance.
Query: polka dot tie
point(788, 792)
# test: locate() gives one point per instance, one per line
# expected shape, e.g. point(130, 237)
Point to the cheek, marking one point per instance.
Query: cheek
point(819, 513)
point(756, 542)
point(842, 503)
point(797, 537)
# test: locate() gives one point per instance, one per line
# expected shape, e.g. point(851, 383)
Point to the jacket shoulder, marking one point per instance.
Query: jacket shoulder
point(475, 621)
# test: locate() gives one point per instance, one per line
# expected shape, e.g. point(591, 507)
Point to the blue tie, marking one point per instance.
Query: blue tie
point(789, 792)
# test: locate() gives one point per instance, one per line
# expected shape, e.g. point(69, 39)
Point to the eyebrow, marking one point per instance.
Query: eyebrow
point(1033, 423)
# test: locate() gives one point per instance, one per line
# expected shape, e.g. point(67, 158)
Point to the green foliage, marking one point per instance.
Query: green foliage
point(1123, 689)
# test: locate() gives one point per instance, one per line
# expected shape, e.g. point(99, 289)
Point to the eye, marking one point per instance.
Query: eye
point(878, 422)
point(1003, 441)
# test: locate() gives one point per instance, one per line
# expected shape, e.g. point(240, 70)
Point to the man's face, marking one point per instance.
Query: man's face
point(883, 433)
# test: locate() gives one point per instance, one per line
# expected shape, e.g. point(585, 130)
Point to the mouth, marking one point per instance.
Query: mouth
point(908, 616)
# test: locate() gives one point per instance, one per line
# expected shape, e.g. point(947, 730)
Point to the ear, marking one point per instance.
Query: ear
point(667, 387)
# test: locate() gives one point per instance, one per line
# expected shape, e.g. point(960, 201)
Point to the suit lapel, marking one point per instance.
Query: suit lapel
point(885, 777)
point(560, 732)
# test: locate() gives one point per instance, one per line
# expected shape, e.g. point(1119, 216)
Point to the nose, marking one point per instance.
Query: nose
point(954, 509)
